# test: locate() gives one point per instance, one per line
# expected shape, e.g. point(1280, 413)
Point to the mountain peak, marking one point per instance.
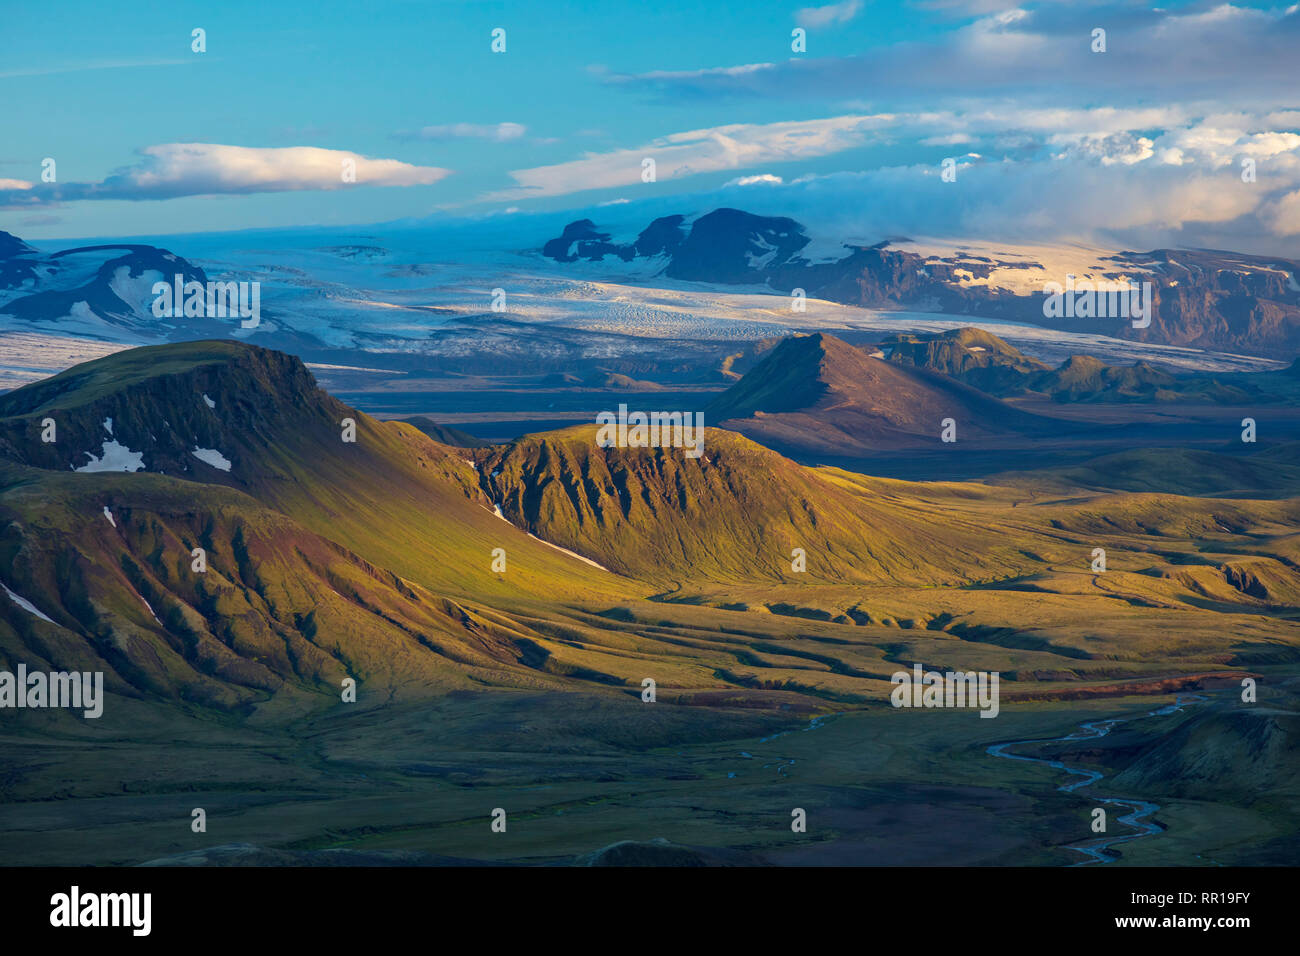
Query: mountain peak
point(11, 245)
point(175, 409)
point(819, 394)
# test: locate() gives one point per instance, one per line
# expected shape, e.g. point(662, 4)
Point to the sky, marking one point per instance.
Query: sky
point(1179, 125)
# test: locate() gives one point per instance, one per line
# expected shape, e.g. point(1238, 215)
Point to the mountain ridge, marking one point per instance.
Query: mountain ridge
point(1214, 299)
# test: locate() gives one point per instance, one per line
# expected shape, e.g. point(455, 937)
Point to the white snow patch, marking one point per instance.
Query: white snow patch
point(109, 515)
point(135, 291)
point(116, 457)
point(25, 604)
point(496, 509)
point(212, 457)
point(108, 425)
point(210, 402)
point(151, 613)
point(572, 554)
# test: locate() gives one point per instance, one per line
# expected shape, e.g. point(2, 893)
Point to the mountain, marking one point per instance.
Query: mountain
point(1201, 298)
point(816, 394)
point(984, 361)
point(376, 558)
point(970, 355)
point(324, 558)
point(734, 514)
point(104, 291)
point(253, 419)
point(581, 240)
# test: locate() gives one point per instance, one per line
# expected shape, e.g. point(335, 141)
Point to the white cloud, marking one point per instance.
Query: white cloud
point(764, 179)
point(170, 170)
point(829, 15)
point(499, 132)
point(197, 168)
point(700, 151)
point(15, 184)
point(1222, 52)
point(1283, 218)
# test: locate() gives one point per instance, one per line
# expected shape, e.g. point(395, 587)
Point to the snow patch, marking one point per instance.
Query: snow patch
point(109, 515)
point(572, 554)
point(212, 457)
point(25, 604)
point(108, 425)
point(210, 402)
point(151, 613)
point(116, 457)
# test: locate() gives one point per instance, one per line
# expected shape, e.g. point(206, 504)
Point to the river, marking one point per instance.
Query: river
point(1137, 813)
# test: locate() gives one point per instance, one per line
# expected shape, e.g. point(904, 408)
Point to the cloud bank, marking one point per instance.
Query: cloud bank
point(172, 170)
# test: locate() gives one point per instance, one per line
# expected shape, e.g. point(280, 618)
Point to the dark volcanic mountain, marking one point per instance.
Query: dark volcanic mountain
point(580, 240)
point(1203, 298)
point(816, 394)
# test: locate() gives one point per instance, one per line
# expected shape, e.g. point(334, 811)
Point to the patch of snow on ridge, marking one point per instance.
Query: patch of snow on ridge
point(210, 403)
point(151, 612)
point(211, 457)
point(572, 554)
point(26, 605)
point(496, 510)
point(116, 457)
point(109, 515)
point(108, 425)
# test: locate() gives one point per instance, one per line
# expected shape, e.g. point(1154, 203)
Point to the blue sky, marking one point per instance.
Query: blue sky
point(1052, 138)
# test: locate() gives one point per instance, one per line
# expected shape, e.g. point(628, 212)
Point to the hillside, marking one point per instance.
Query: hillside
point(816, 394)
point(735, 514)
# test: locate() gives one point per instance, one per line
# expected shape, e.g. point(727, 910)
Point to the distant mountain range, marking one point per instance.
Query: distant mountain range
point(1202, 298)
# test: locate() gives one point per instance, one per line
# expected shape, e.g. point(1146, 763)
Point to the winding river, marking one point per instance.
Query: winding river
point(1137, 813)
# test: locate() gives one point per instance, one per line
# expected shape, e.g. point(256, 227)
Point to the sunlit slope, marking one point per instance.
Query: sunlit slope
point(736, 513)
point(107, 565)
point(373, 558)
point(392, 494)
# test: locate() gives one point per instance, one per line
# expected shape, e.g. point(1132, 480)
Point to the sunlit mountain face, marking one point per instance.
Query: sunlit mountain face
point(648, 448)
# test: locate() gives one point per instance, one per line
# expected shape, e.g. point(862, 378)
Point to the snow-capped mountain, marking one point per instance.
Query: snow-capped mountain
point(1200, 298)
point(101, 291)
